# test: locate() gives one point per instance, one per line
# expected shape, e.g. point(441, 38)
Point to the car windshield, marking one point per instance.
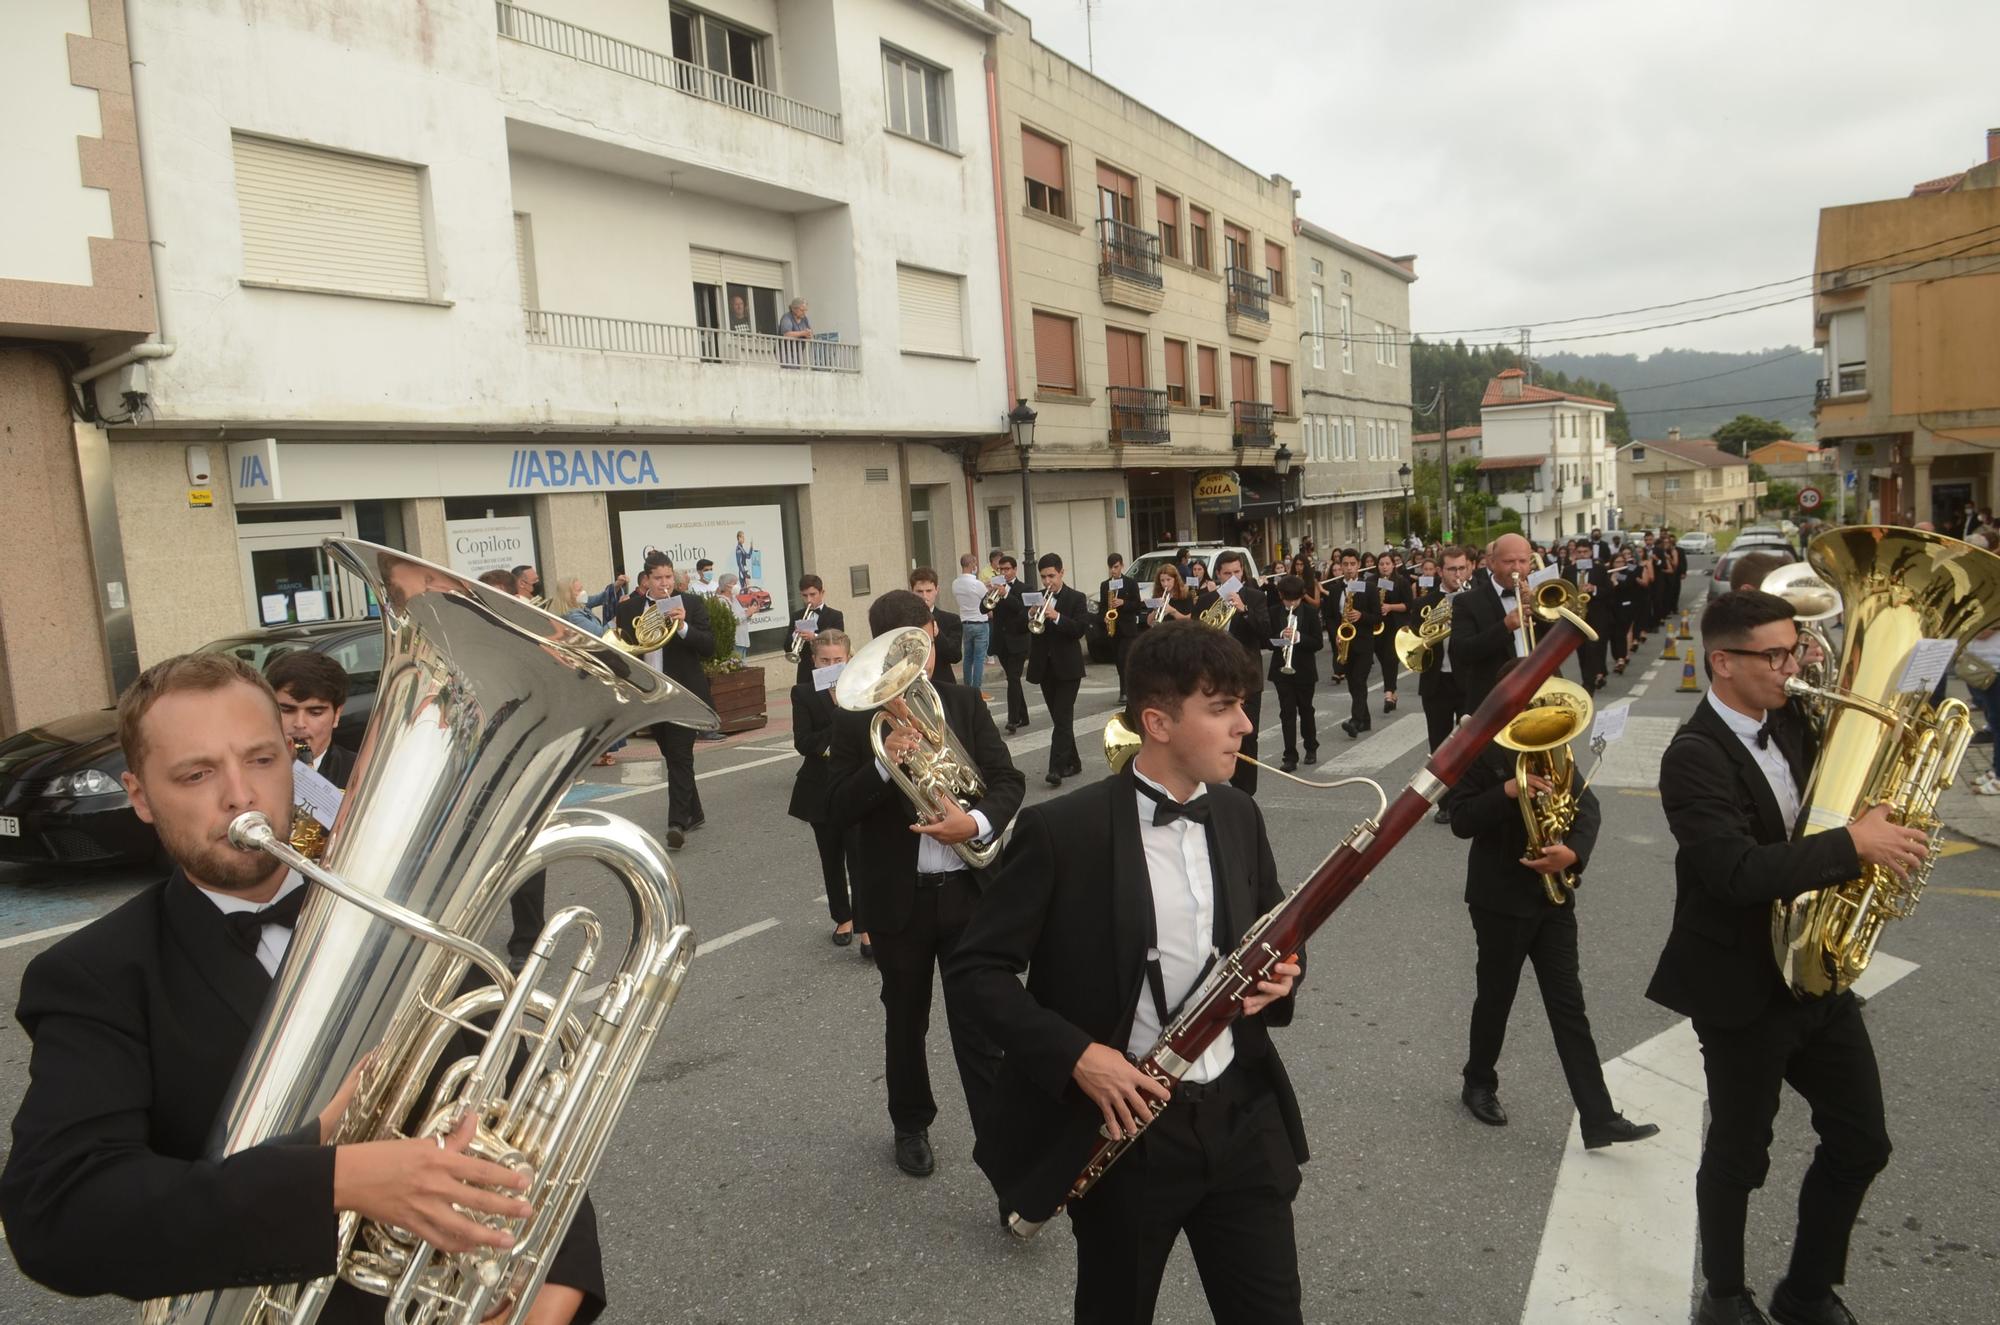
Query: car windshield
point(359, 654)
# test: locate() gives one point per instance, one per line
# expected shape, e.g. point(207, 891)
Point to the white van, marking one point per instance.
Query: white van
point(1146, 566)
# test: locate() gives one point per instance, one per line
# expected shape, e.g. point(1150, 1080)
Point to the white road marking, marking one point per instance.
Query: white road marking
point(42, 934)
point(1633, 760)
point(701, 777)
point(716, 944)
point(1619, 1241)
point(1378, 750)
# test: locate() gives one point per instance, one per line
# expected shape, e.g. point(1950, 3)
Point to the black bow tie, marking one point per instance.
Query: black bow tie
point(246, 928)
point(1506, 593)
point(1167, 809)
point(1768, 730)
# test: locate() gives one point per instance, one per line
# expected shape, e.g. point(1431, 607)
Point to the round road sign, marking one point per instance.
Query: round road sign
point(1809, 499)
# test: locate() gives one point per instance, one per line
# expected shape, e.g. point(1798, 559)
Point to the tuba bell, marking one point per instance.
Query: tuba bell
point(889, 676)
point(487, 710)
point(1540, 735)
point(1881, 744)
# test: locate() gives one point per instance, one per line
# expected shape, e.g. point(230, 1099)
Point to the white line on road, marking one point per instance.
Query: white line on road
point(703, 777)
point(716, 944)
point(39, 935)
point(1619, 1242)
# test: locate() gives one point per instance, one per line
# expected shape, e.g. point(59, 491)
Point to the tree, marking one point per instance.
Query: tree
point(1779, 496)
point(1745, 431)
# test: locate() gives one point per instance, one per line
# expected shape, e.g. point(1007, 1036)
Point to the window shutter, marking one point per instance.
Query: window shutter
point(524, 261)
point(1042, 160)
point(1281, 387)
point(705, 266)
point(1206, 367)
point(1169, 208)
point(1177, 365)
point(740, 270)
point(1242, 377)
point(330, 220)
point(1125, 352)
point(932, 305)
point(1055, 352)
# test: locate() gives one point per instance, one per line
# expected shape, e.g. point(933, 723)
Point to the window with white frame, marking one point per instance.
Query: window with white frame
point(1374, 441)
point(918, 95)
point(1319, 321)
point(1347, 427)
point(1346, 333)
point(1378, 343)
point(1347, 278)
point(1847, 352)
point(1395, 441)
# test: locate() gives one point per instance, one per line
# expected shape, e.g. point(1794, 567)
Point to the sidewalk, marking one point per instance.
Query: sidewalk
point(1964, 811)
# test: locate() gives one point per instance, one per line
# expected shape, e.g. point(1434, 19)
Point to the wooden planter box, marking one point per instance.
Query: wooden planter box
point(738, 697)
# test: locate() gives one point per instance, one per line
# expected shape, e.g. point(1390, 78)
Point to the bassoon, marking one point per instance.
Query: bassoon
point(1082, 1149)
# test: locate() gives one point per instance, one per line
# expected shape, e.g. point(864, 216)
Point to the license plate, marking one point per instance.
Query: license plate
point(9, 826)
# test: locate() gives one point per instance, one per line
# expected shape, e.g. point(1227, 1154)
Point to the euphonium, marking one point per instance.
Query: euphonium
point(1418, 647)
point(1881, 745)
point(467, 754)
point(1540, 734)
point(889, 676)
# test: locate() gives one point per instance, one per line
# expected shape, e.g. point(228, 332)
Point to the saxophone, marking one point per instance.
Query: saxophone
point(1881, 744)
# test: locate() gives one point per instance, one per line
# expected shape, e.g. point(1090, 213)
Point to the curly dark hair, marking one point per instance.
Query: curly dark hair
point(1177, 659)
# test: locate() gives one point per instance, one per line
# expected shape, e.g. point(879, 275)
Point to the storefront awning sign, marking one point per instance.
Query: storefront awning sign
point(1218, 492)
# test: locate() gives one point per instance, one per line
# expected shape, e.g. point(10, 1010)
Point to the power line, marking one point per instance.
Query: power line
point(1689, 381)
point(1717, 404)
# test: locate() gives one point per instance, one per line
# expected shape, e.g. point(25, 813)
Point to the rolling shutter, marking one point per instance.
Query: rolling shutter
point(933, 311)
point(1205, 367)
point(1177, 372)
point(1281, 387)
point(1055, 353)
point(705, 266)
point(524, 261)
point(740, 270)
point(330, 220)
point(1042, 160)
point(1125, 355)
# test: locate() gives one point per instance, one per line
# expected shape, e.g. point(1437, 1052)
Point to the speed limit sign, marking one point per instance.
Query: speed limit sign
point(1809, 499)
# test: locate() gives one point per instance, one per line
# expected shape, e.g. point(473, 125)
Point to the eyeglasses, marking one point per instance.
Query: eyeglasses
point(1776, 657)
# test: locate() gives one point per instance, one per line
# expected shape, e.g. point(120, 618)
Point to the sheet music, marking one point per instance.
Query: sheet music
point(311, 789)
point(824, 677)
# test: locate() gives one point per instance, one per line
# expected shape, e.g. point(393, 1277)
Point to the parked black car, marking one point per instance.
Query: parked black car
point(61, 800)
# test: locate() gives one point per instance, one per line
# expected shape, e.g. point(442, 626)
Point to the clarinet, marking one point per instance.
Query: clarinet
point(1282, 932)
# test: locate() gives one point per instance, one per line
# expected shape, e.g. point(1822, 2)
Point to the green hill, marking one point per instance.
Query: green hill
point(1699, 390)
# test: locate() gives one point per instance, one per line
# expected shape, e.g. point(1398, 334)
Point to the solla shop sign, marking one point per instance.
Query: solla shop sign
point(597, 467)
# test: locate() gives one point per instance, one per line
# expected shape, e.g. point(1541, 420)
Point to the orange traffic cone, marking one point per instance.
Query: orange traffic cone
point(1671, 652)
point(1688, 684)
point(1685, 632)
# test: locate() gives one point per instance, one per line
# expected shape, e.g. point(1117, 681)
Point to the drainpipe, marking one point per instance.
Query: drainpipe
point(1006, 268)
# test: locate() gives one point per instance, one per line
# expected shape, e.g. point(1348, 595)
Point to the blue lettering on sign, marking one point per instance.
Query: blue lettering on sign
point(606, 467)
point(252, 474)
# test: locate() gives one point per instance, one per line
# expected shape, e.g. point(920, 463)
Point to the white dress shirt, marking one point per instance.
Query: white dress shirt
point(969, 591)
point(1510, 605)
point(1183, 881)
point(1770, 758)
point(1444, 654)
point(933, 856)
point(272, 939)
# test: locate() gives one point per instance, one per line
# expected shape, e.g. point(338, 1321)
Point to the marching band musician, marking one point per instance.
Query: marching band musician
point(1010, 629)
point(812, 737)
point(950, 638)
point(1251, 627)
point(1121, 591)
point(1593, 585)
point(813, 617)
point(1168, 600)
point(1486, 620)
point(1437, 685)
point(139, 1019)
point(915, 892)
point(1115, 930)
point(680, 659)
point(1392, 600)
point(1055, 663)
point(1353, 602)
point(1730, 783)
point(1513, 922)
point(1295, 692)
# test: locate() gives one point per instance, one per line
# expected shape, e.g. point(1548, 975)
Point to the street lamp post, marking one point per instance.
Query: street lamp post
point(1529, 531)
point(1281, 465)
point(1403, 477)
point(1021, 423)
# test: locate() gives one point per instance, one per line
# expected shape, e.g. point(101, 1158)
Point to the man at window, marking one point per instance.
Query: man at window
point(739, 313)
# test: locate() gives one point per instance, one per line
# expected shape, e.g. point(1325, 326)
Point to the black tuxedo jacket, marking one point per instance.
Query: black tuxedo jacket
point(1600, 608)
point(1010, 622)
point(812, 737)
point(1073, 908)
point(337, 765)
point(1480, 641)
point(1362, 600)
point(1126, 600)
point(1495, 878)
point(1250, 627)
point(829, 619)
point(1057, 653)
point(949, 645)
point(684, 654)
point(1736, 857)
point(877, 812)
point(1305, 653)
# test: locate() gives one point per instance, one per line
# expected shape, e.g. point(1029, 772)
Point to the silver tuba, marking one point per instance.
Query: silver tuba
point(487, 711)
point(889, 676)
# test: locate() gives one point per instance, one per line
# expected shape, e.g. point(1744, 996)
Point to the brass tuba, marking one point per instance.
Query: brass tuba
point(1881, 744)
point(1815, 604)
point(487, 711)
point(889, 676)
point(1540, 735)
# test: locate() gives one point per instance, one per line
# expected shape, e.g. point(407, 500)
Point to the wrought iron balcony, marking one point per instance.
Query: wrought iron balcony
point(1138, 415)
point(650, 66)
point(1822, 389)
point(1249, 294)
point(1253, 422)
point(612, 335)
point(1127, 251)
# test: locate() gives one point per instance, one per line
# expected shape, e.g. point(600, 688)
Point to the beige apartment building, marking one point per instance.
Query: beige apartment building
point(1152, 289)
point(1354, 325)
point(1684, 485)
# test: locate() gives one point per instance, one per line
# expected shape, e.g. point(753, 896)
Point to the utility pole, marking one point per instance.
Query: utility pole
point(1527, 354)
point(1090, 33)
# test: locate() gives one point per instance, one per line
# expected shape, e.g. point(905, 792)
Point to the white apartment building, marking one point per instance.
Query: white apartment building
point(1354, 427)
point(466, 274)
point(1543, 455)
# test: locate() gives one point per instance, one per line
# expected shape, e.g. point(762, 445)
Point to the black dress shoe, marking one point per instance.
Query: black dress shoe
point(1484, 1103)
point(1288, 764)
point(913, 1153)
point(1789, 1309)
point(1388, 706)
point(699, 820)
point(1013, 727)
point(1615, 1129)
point(842, 937)
point(1347, 725)
point(676, 838)
point(1312, 755)
point(1054, 779)
point(867, 951)
point(1740, 1309)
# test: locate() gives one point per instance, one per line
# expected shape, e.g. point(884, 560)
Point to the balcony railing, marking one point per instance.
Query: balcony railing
point(1253, 422)
point(613, 335)
point(650, 66)
point(1249, 294)
point(1138, 414)
point(1127, 251)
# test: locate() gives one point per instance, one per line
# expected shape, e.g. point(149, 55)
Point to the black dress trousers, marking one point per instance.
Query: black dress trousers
point(1017, 698)
point(1548, 939)
point(683, 797)
point(1295, 713)
point(1060, 697)
point(906, 959)
point(1359, 659)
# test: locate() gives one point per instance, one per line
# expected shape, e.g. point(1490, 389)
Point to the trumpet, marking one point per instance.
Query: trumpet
point(992, 598)
point(1160, 612)
point(1291, 624)
point(796, 648)
point(1038, 620)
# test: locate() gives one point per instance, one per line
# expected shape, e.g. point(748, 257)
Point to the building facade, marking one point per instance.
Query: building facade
point(534, 296)
point(1906, 309)
point(1153, 322)
point(1543, 456)
point(1685, 486)
point(1354, 330)
point(75, 272)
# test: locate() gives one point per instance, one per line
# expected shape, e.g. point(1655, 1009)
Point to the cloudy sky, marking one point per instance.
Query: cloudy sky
point(1570, 157)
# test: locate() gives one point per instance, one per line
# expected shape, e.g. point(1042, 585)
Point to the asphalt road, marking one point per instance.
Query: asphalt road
point(751, 1177)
